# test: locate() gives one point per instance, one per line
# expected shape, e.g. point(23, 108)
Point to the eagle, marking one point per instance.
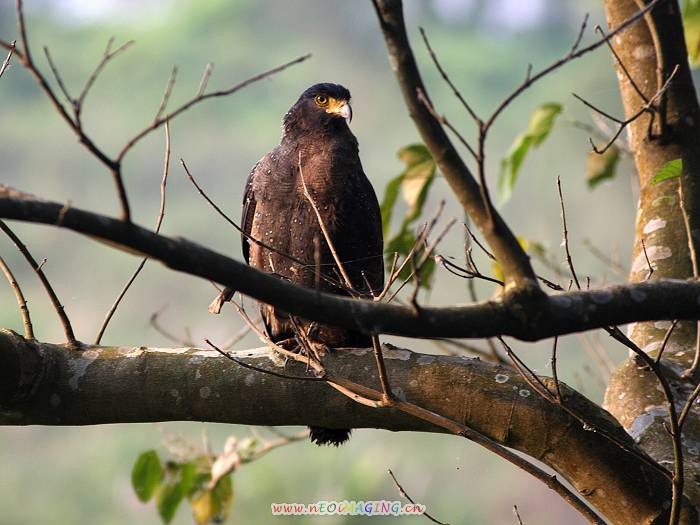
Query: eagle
point(314, 181)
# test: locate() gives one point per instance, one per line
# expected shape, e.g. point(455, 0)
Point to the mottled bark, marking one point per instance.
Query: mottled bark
point(52, 385)
point(650, 51)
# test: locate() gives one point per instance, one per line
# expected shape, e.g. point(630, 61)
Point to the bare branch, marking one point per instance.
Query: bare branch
point(67, 328)
point(159, 221)
point(6, 62)
point(405, 495)
point(21, 302)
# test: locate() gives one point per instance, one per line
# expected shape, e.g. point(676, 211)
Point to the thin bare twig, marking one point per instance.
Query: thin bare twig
point(322, 224)
point(403, 492)
point(65, 322)
point(569, 261)
point(21, 302)
point(690, 372)
point(664, 342)
point(6, 62)
point(159, 222)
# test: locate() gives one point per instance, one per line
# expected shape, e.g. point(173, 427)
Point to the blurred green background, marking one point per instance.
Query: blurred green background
point(81, 475)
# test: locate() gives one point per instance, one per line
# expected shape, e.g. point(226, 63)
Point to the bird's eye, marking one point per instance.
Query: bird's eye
point(321, 100)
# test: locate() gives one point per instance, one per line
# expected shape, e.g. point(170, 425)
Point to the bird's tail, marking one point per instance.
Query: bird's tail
point(329, 436)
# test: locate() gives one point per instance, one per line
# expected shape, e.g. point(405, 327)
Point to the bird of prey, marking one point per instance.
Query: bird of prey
point(283, 232)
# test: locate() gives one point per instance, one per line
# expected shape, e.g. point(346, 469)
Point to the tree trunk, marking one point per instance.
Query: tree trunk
point(650, 51)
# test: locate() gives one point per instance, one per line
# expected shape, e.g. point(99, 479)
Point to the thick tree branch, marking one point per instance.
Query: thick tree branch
point(525, 318)
point(47, 384)
point(515, 262)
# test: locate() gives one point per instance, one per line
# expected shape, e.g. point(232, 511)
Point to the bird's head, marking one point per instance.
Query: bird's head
point(320, 106)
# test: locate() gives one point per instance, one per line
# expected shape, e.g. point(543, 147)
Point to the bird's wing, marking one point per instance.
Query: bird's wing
point(249, 204)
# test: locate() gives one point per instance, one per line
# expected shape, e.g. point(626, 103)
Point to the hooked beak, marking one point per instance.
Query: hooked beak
point(345, 111)
point(341, 108)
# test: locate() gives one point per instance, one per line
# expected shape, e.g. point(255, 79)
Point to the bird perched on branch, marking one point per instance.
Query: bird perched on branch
point(313, 181)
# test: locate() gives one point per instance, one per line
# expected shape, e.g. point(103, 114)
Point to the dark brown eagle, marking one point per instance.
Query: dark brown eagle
point(318, 151)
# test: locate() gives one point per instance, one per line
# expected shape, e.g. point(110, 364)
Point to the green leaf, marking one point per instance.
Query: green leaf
point(417, 178)
point(146, 475)
point(168, 500)
point(414, 183)
point(691, 26)
point(601, 167)
point(670, 170)
point(213, 506)
point(539, 127)
point(181, 483)
point(391, 192)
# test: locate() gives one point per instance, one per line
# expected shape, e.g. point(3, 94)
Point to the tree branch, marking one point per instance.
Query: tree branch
point(525, 318)
point(47, 384)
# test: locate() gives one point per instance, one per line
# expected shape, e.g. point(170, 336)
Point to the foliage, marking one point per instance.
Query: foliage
point(189, 479)
point(414, 182)
point(691, 24)
point(601, 166)
point(541, 123)
point(670, 170)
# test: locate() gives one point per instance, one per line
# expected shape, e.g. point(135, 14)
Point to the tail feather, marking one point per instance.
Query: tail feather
point(329, 436)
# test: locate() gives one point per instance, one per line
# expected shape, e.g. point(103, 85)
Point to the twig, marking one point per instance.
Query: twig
point(387, 394)
point(21, 302)
point(554, 370)
point(228, 356)
point(58, 78)
point(166, 95)
point(106, 57)
point(67, 328)
point(666, 338)
point(677, 480)
point(153, 321)
point(569, 261)
point(622, 66)
point(403, 492)
point(444, 76)
point(159, 222)
point(622, 124)
point(326, 234)
point(690, 372)
point(202, 97)
point(517, 515)
point(646, 257)
point(6, 62)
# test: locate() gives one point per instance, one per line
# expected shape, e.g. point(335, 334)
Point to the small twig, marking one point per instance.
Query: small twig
point(208, 69)
point(622, 66)
point(517, 515)
point(569, 261)
point(622, 124)
point(444, 76)
point(554, 370)
point(612, 264)
point(405, 495)
point(159, 222)
point(646, 257)
point(665, 340)
point(106, 57)
point(202, 97)
point(166, 95)
point(153, 321)
point(326, 234)
point(228, 356)
point(58, 78)
point(6, 62)
point(690, 372)
point(67, 328)
point(21, 302)
point(381, 369)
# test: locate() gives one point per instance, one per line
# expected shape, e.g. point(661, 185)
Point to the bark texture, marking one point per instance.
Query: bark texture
point(49, 384)
point(650, 51)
